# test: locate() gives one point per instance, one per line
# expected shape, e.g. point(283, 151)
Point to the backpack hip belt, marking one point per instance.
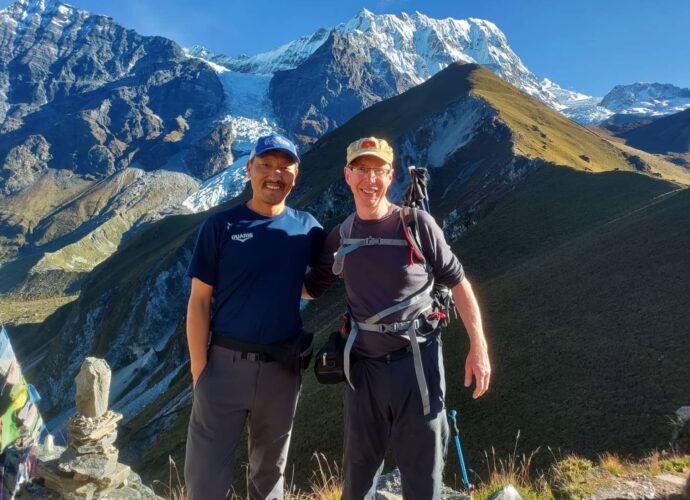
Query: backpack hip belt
point(411, 329)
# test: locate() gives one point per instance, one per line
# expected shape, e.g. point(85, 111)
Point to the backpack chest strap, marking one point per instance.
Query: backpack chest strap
point(372, 324)
point(351, 244)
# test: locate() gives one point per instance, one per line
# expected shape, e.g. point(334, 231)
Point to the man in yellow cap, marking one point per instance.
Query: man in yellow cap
point(393, 359)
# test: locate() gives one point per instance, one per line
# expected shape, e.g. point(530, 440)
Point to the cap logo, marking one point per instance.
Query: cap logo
point(367, 144)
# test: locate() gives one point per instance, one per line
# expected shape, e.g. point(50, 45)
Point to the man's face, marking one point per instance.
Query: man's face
point(369, 178)
point(272, 176)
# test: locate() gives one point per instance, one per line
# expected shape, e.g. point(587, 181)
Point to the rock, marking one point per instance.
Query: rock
point(507, 493)
point(672, 478)
point(389, 487)
point(87, 467)
point(117, 478)
point(24, 164)
point(85, 429)
point(64, 483)
point(211, 154)
point(386, 495)
point(336, 82)
point(680, 436)
point(103, 445)
point(93, 387)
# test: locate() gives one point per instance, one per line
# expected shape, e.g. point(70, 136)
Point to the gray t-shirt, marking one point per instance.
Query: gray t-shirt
point(377, 277)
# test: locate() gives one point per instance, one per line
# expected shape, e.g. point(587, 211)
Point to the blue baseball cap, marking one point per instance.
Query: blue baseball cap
point(274, 142)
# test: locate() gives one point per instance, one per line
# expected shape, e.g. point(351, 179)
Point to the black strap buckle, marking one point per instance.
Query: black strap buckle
point(261, 357)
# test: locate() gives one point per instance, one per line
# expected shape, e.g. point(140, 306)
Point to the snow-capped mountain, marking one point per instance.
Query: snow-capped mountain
point(579, 107)
point(647, 99)
point(317, 82)
point(287, 56)
point(639, 100)
point(416, 45)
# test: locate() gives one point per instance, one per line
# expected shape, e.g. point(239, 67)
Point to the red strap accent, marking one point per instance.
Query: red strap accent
point(437, 315)
point(414, 253)
point(343, 328)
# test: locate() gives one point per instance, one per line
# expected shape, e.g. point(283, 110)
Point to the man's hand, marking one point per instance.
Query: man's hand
point(196, 370)
point(477, 365)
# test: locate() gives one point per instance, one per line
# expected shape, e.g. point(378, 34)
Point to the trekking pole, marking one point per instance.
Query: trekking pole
point(453, 416)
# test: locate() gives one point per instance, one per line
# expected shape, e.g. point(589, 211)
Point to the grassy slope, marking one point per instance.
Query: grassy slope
point(671, 166)
point(585, 312)
point(534, 126)
point(541, 132)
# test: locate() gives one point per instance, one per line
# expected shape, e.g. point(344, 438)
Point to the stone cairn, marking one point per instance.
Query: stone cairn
point(88, 468)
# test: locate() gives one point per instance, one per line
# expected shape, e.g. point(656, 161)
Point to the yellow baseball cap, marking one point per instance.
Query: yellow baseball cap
point(370, 146)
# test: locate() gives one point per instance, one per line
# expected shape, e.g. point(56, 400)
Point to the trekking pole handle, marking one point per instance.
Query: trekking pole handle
point(453, 416)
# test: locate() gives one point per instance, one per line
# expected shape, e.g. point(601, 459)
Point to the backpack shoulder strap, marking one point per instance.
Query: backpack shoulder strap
point(348, 244)
point(345, 230)
point(410, 224)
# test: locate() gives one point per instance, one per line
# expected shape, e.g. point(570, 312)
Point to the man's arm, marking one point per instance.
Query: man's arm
point(477, 363)
point(320, 276)
point(198, 324)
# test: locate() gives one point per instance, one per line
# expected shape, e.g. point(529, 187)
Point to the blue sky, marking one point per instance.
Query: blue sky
point(584, 45)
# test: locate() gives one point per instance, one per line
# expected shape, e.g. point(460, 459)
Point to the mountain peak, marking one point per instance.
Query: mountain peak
point(41, 5)
point(365, 13)
point(647, 98)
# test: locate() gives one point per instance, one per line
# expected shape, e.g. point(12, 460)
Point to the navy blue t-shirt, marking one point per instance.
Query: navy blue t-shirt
point(256, 265)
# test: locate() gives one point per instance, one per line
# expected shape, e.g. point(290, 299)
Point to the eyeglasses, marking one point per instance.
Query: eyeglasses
point(365, 171)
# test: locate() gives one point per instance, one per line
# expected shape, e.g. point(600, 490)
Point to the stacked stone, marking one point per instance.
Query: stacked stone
point(88, 468)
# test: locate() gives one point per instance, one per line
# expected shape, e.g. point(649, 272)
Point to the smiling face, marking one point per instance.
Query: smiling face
point(369, 178)
point(272, 176)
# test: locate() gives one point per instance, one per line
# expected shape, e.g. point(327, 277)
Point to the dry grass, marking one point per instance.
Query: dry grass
point(326, 483)
point(572, 477)
point(612, 463)
point(175, 489)
point(516, 470)
point(662, 462)
point(568, 477)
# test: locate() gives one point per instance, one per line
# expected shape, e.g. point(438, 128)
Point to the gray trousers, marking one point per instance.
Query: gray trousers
point(230, 391)
point(386, 410)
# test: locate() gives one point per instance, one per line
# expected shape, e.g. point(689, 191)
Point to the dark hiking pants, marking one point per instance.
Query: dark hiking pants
point(229, 392)
point(386, 410)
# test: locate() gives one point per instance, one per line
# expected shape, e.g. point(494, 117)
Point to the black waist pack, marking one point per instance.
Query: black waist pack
point(294, 354)
point(328, 365)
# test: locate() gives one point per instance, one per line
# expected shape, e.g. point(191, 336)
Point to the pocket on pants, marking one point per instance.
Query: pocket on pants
point(203, 374)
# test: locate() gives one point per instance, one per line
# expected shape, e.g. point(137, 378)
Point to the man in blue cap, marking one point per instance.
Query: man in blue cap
point(247, 272)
